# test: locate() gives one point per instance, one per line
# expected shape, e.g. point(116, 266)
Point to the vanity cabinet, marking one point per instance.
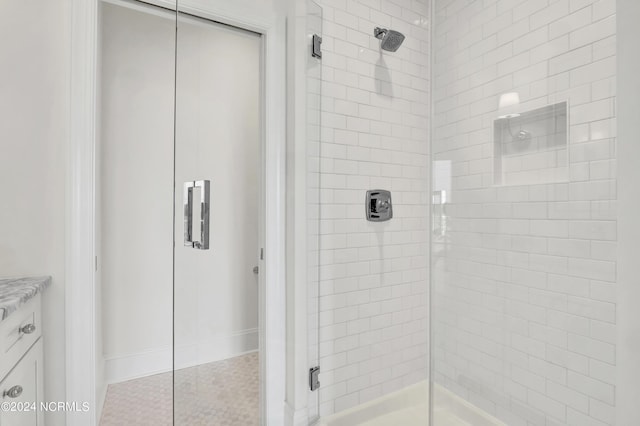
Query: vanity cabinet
point(21, 357)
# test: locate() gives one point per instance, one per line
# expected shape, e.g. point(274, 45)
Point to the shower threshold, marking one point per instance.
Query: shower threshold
point(409, 407)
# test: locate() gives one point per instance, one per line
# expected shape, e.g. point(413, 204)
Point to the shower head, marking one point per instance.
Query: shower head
point(390, 39)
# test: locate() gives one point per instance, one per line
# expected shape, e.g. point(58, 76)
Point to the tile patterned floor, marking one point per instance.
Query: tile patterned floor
point(223, 393)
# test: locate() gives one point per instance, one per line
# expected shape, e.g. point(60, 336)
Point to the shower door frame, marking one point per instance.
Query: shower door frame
point(82, 360)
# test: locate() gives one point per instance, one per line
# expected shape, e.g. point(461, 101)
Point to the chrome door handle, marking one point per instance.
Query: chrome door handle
point(203, 243)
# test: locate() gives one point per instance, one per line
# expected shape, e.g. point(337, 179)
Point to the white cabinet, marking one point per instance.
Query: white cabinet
point(21, 387)
point(22, 391)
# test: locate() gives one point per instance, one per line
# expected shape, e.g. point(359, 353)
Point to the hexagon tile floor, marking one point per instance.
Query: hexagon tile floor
point(223, 393)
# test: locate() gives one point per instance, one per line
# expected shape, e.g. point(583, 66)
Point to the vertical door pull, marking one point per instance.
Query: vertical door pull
point(203, 243)
point(188, 213)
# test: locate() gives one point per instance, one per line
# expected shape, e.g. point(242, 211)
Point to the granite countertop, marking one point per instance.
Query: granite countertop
point(15, 292)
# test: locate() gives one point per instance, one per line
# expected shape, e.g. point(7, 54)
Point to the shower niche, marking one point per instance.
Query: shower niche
point(531, 147)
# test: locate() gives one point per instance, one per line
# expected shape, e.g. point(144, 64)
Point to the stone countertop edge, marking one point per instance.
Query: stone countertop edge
point(15, 292)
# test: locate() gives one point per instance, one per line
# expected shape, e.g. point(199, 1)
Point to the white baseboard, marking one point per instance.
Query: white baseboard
point(101, 388)
point(131, 366)
point(101, 396)
point(160, 360)
point(219, 348)
point(295, 418)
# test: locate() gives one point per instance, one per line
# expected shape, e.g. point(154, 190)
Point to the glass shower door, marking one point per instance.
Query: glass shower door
point(524, 218)
point(218, 205)
point(312, 19)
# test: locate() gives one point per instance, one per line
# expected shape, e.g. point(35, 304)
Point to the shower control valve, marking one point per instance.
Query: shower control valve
point(378, 205)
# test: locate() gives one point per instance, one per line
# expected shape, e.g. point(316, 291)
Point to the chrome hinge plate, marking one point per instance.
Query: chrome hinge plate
point(314, 382)
point(316, 46)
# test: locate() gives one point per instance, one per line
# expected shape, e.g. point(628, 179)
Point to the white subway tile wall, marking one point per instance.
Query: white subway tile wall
point(374, 135)
point(524, 275)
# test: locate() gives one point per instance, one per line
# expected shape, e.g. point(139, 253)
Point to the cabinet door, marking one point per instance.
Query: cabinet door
point(21, 388)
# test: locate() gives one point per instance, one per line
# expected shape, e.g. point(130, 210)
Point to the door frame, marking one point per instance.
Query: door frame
point(83, 362)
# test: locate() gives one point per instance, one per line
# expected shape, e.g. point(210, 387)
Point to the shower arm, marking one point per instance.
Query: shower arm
point(379, 32)
point(521, 135)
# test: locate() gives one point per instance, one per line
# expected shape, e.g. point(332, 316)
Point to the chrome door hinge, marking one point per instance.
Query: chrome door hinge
point(314, 382)
point(316, 46)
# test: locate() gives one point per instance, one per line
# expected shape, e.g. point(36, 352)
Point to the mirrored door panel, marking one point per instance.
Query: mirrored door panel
point(217, 223)
point(134, 205)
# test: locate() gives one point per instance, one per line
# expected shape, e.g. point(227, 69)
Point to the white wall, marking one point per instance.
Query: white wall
point(628, 291)
point(525, 279)
point(216, 297)
point(374, 131)
point(34, 106)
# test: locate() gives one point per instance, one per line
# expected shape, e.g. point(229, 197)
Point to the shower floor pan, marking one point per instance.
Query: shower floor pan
point(409, 407)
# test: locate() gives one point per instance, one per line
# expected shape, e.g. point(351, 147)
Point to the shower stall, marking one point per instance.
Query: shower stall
point(488, 298)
